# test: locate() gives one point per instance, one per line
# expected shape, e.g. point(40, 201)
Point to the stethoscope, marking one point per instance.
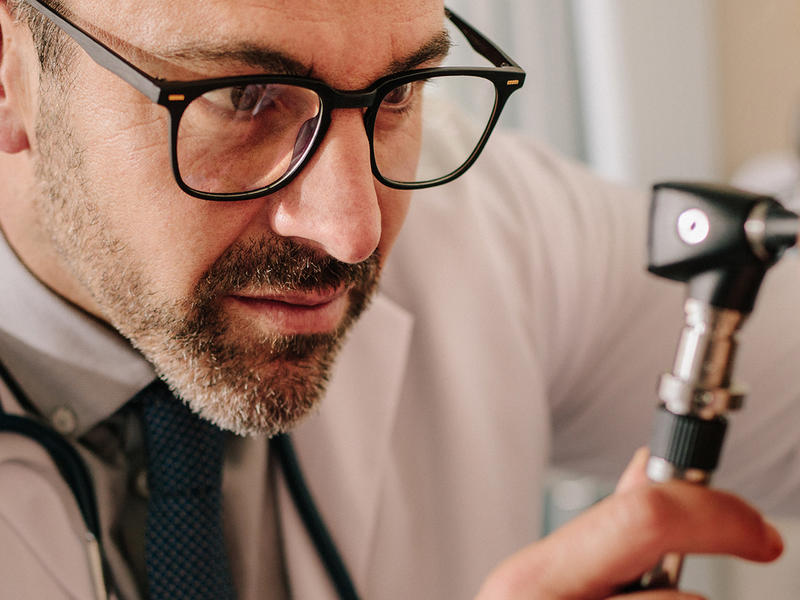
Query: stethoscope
point(75, 473)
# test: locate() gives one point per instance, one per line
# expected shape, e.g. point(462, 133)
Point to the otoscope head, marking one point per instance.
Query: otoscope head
point(719, 239)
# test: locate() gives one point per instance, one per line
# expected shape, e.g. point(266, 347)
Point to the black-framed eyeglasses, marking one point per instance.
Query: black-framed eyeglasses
point(236, 138)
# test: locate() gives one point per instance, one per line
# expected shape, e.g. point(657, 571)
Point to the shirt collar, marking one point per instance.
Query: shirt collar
point(76, 370)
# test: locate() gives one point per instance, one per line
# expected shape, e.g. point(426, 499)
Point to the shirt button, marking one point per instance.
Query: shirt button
point(140, 484)
point(64, 420)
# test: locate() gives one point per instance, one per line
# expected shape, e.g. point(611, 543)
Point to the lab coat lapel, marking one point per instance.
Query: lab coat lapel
point(344, 448)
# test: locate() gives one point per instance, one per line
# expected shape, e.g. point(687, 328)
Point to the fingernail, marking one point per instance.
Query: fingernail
point(774, 539)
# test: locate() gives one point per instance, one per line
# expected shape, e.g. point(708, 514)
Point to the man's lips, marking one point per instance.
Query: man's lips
point(295, 312)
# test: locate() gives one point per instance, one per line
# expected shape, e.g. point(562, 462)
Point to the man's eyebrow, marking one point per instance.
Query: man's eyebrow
point(259, 57)
point(436, 48)
point(276, 62)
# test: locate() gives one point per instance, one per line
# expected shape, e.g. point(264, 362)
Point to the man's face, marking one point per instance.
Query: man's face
point(240, 305)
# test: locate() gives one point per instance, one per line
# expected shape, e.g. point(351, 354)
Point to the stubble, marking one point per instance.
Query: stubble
point(242, 380)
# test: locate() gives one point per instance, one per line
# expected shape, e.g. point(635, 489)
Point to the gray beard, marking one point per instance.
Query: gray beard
point(245, 383)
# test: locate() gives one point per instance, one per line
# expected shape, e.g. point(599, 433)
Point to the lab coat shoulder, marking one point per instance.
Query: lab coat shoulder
point(42, 551)
point(548, 261)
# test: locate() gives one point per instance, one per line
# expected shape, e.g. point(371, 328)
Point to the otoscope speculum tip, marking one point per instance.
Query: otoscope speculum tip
point(781, 229)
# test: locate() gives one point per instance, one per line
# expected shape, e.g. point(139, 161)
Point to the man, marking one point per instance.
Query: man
point(497, 315)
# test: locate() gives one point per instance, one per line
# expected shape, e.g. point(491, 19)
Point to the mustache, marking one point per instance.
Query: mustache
point(282, 265)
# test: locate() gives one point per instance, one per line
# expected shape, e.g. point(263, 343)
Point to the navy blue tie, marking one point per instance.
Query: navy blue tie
point(184, 545)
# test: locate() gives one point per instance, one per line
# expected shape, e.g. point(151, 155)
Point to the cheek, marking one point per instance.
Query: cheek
point(394, 208)
point(128, 174)
point(397, 146)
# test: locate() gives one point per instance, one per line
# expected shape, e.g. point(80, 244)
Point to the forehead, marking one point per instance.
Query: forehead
point(348, 41)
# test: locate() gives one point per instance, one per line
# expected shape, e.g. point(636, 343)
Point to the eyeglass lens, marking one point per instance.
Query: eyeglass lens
point(244, 138)
point(429, 131)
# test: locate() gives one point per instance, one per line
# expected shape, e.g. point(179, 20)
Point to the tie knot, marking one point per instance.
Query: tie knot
point(184, 452)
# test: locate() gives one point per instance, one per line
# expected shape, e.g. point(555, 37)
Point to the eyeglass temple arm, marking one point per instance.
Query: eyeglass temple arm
point(480, 43)
point(102, 54)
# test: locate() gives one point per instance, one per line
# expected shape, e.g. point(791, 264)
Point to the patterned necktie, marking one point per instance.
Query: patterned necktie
point(184, 545)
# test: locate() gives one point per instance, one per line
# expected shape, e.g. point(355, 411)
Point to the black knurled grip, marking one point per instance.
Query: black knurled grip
point(688, 442)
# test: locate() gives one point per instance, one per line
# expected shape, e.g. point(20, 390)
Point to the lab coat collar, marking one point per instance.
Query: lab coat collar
point(63, 358)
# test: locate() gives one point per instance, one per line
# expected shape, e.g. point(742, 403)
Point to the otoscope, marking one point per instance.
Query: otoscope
point(720, 241)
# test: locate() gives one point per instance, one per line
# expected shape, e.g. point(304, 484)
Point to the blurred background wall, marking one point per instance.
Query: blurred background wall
point(758, 50)
point(647, 89)
point(644, 90)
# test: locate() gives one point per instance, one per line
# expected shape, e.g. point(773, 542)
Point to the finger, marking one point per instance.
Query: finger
point(626, 534)
point(636, 472)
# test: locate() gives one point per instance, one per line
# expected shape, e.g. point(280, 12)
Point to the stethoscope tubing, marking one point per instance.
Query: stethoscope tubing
point(74, 472)
point(283, 447)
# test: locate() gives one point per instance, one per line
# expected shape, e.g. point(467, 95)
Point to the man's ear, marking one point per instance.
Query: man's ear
point(13, 89)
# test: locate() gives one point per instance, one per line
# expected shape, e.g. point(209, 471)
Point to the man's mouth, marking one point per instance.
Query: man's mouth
point(294, 312)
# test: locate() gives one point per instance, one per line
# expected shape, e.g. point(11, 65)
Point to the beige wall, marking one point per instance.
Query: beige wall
point(759, 60)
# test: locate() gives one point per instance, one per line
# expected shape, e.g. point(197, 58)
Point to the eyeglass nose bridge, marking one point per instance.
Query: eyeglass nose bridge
point(351, 99)
point(333, 99)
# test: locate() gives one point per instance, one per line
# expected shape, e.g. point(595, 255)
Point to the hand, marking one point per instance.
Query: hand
point(618, 539)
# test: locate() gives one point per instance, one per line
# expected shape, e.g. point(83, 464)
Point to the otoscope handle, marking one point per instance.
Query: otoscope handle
point(690, 422)
point(687, 448)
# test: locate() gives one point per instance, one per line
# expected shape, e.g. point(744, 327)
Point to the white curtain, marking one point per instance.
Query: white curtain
point(538, 34)
point(627, 85)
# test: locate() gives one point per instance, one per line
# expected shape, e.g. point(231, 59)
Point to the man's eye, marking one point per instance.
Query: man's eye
point(247, 97)
point(252, 98)
point(399, 97)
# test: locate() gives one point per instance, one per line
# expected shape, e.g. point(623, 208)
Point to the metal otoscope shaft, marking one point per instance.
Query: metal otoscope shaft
point(721, 241)
point(691, 417)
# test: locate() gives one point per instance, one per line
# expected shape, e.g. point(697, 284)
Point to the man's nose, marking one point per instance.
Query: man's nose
point(333, 204)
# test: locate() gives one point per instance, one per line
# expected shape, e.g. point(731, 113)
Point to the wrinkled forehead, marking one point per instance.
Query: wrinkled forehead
point(350, 42)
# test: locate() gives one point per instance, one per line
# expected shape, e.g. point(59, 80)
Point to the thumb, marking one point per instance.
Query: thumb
point(635, 473)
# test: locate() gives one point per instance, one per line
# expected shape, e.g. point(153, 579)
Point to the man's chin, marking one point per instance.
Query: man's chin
point(232, 368)
point(263, 387)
